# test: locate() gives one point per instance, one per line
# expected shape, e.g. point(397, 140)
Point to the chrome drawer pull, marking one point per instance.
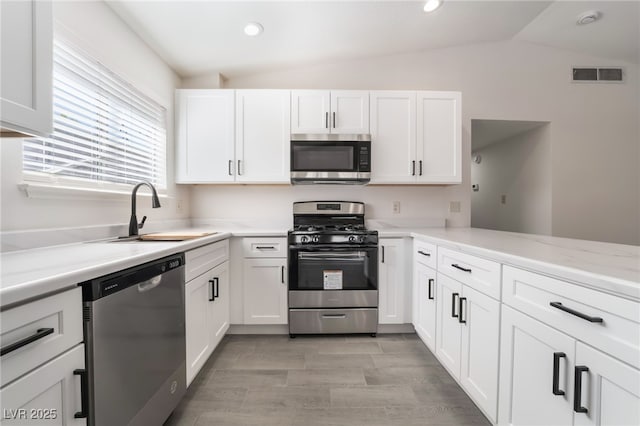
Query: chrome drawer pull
point(455, 265)
point(334, 316)
point(586, 317)
point(39, 334)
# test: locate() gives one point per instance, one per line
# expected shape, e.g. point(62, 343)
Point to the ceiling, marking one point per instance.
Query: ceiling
point(201, 37)
point(488, 132)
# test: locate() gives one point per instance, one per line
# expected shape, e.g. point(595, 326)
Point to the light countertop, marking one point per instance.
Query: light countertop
point(613, 268)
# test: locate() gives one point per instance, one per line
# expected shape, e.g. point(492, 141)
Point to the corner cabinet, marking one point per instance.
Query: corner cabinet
point(26, 63)
point(324, 111)
point(232, 136)
point(416, 137)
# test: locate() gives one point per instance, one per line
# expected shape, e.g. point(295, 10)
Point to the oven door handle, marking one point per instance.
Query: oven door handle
point(331, 255)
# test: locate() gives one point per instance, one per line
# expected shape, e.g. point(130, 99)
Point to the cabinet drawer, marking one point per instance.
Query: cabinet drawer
point(478, 273)
point(200, 260)
point(264, 247)
point(425, 253)
point(58, 319)
point(320, 321)
point(617, 333)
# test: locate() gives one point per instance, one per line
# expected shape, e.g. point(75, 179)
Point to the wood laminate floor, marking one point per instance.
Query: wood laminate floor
point(392, 379)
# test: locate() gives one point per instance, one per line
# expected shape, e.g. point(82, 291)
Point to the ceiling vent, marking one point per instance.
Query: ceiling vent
point(597, 75)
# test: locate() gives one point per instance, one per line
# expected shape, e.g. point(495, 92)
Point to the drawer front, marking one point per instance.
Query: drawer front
point(320, 321)
point(480, 274)
point(202, 259)
point(425, 253)
point(577, 312)
point(52, 325)
point(264, 247)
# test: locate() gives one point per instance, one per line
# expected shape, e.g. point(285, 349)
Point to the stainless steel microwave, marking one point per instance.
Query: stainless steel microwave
point(341, 159)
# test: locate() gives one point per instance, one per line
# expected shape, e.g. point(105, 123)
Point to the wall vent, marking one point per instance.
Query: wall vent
point(597, 74)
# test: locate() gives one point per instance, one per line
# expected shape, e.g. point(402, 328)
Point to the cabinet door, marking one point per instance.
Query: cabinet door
point(263, 136)
point(205, 136)
point(527, 372)
point(439, 137)
point(425, 324)
point(610, 390)
point(26, 60)
point(393, 137)
point(349, 111)
point(49, 394)
point(198, 323)
point(449, 333)
point(220, 305)
point(391, 281)
point(480, 349)
point(310, 111)
point(265, 291)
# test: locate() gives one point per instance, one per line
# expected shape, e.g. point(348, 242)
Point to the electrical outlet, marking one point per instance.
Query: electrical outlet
point(396, 207)
point(454, 207)
point(178, 206)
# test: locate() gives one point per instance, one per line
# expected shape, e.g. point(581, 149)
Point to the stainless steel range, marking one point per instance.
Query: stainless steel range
point(333, 270)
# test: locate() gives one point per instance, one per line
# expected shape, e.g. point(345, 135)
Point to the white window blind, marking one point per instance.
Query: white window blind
point(104, 130)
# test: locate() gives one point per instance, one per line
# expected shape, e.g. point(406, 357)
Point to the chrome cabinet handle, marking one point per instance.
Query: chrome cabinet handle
point(585, 317)
point(334, 316)
point(334, 120)
point(39, 334)
point(230, 164)
point(239, 170)
point(455, 265)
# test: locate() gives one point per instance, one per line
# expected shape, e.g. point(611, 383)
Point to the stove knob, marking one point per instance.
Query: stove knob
point(316, 238)
point(361, 239)
point(352, 238)
point(304, 239)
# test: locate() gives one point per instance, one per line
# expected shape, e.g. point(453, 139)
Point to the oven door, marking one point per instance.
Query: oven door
point(333, 276)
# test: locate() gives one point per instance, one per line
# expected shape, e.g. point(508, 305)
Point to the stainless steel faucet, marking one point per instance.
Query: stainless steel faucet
point(155, 203)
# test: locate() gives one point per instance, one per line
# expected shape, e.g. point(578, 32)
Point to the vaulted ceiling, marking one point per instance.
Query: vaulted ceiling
point(198, 37)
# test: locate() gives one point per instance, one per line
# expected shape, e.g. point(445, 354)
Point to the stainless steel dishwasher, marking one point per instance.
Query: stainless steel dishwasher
point(134, 333)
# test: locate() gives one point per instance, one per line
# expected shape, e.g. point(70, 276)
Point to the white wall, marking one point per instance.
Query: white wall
point(595, 134)
point(93, 27)
point(520, 168)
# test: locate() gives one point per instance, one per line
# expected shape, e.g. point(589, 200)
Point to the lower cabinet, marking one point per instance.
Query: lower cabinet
point(265, 290)
point(392, 289)
point(550, 378)
point(207, 315)
point(424, 281)
point(467, 340)
point(49, 394)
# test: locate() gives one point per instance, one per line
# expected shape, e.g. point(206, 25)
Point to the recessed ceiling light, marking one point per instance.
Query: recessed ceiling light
point(588, 17)
point(432, 5)
point(253, 29)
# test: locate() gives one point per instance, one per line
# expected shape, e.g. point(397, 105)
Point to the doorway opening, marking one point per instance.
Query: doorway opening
point(511, 175)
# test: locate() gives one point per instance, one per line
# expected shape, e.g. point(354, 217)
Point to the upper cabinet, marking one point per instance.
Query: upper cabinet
point(416, 137)
point(324, 111)
point(26, 39)
point(226, 136)
point(262, 136)
point(205, 136)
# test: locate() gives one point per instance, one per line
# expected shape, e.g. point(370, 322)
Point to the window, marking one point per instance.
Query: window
point(105, 131)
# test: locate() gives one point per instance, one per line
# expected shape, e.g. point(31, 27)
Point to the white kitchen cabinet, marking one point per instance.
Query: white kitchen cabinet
point(324, 111)
point(448, 333)
point(424, 280)
point(527, 372)
point(262, 136)
point(392, 288)
point(393, 136)
point(467, 340)
point(416, 137)
point(49, 394)
point(610, 391)
point(206, 303)
point(26, 61)
point(205, 136)
point(265, 291)
point(439, 137)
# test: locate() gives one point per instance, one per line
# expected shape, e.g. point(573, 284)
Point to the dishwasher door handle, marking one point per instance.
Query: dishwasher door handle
point(150, 284)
